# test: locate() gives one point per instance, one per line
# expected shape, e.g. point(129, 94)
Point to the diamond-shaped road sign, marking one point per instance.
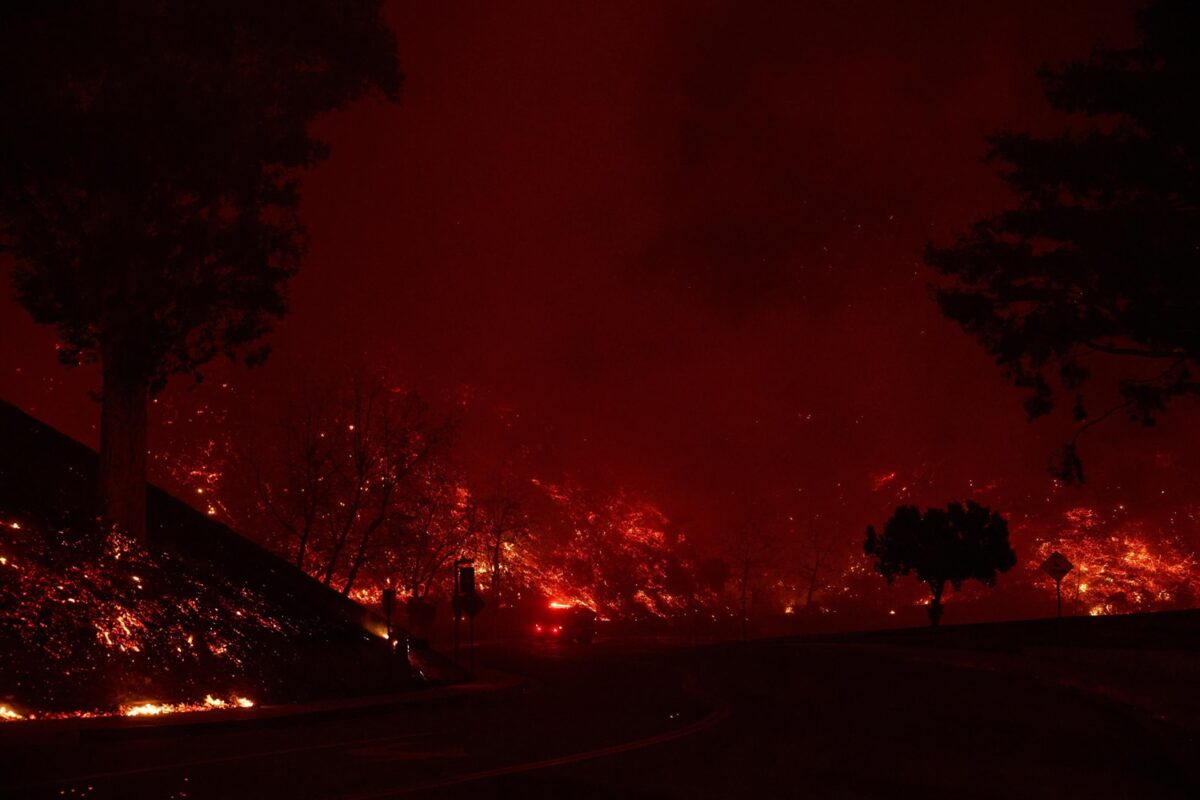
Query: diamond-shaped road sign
point(1056, 566)
point(469, 603)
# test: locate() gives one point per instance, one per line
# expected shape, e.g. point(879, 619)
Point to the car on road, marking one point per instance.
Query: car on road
point(575, 624)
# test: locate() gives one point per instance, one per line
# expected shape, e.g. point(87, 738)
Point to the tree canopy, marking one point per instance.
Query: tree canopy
point(1096, 270)
point(150, 163)
point(952, 546)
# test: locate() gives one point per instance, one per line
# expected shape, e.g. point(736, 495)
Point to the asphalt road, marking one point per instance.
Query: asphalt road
point(627, 720)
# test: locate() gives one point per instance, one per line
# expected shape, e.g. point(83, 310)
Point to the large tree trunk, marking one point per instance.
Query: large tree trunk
point(123, 449)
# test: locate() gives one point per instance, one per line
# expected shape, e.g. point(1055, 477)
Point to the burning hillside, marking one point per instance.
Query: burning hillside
point(91, 623)
point(362, 485)
point(1123, 564)
point(95, 625)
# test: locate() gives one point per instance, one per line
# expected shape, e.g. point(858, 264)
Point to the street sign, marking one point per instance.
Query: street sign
point(464, 576)
point(388, 601)
point(465, 601)
point(1056, 566)
point(466, 579)
point(469, 604)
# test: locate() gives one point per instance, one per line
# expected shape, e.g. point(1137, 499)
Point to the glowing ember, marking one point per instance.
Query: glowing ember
point(882, 480)
point(7, 713)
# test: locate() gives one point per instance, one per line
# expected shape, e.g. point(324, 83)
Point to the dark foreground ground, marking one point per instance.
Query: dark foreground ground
point(854, 718)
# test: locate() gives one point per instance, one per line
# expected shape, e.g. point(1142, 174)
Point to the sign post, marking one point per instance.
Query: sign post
point(389, 608)
point(1057, 567)
point(465, 601)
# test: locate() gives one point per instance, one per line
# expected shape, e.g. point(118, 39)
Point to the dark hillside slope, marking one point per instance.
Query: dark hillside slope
point(91, 622)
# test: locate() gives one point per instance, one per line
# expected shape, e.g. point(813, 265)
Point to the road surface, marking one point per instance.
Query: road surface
point(769, 719)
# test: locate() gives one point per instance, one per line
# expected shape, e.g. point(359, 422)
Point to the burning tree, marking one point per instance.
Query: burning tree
point(361, 486)
point(437, 521)
point(151, 200)
point(950, 546)
point(616, 554)
point(503, 526)
point(346, 473)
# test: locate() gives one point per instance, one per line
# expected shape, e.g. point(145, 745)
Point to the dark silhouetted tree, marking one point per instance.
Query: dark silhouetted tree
point(951, 546)
point(341, 472)
point(437, 522)
point(149, 173)
point(817, 547)
point(751, 548)
point(503, 525)
point(1096, 271)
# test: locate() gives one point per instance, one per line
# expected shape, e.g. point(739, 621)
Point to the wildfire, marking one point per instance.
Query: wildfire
point(1121, 565)
point(611, 554)
point(153, 709)
point(122, 630)
point(145, 708)
point(365, 594)
point(88, 613)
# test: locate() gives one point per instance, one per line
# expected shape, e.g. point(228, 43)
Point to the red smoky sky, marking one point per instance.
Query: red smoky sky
point(679, 246)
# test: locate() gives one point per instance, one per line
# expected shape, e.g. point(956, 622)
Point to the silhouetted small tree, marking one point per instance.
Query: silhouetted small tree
point(342, 473)
point(1097, 265)
point(750, 551)
point(149, 176)
point(502, 525)
point(951, 546)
